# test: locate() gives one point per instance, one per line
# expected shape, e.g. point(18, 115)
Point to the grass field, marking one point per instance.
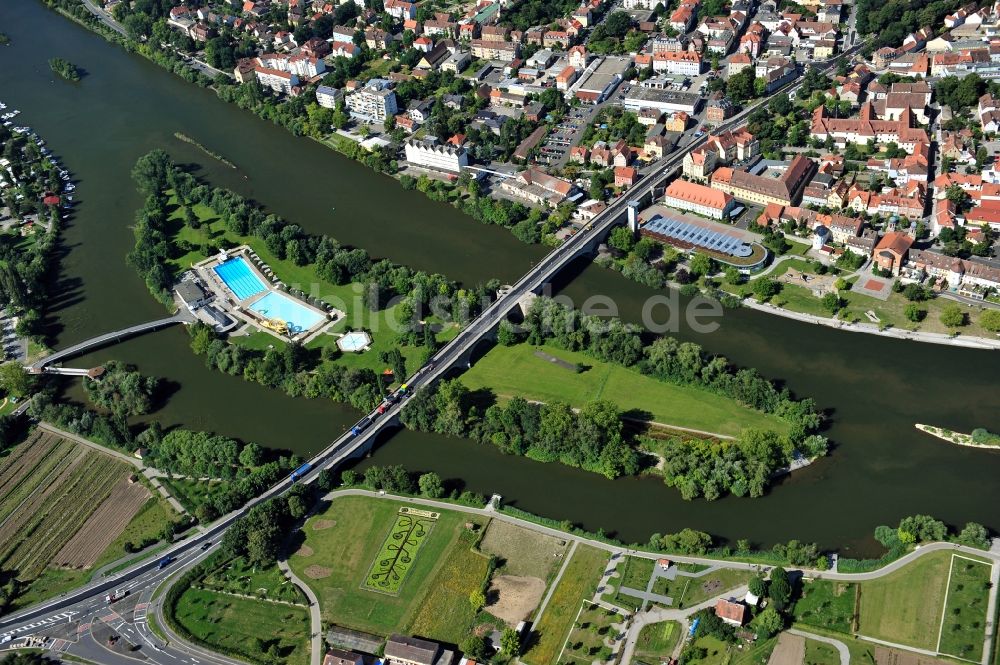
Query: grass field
point(821, 653)
point(337, 552)
point(716, 651)
point(964, 623)
point(687, 591)
point(346, 297)
point(445, 613)
point(398, 553)
point(269, 583)
point(578, 583)
point(193, 493)
point(50, 489)
point(588, 641)
point(905, 606)
point(262, 632)
point(757, 654)
point(657, 641)
point(827, 604)
point(516, 370)
point(521, 551)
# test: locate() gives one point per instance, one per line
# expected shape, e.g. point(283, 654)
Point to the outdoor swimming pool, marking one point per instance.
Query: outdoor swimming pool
point(240, 278)
point(354, 341)
point(296, 316)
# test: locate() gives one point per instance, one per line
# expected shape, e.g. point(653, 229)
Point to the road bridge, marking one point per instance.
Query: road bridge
point(349, 445)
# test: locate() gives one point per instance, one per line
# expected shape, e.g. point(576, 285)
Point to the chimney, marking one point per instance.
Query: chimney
point(633, 216)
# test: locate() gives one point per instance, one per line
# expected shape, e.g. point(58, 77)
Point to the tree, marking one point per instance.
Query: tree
point(701, 265)
point(507, 334)
point(15, 380)
point(430, 485)
point(921, 528)
point(780, 589)
point(953, 317)
point(914, 312)
point(974, 535)
point(622, 239)
point(914, 293)
point(767, 623)
point(990, 320)
point(765, 288)
point(510, 642)
point(733, 276)
point(473, 646)
point(477, 599)
point(831, 302)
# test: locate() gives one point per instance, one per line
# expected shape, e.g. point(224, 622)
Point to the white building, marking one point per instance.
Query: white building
point(328, 97)
point(438, 157)
point(276, 80)
point(374, 102)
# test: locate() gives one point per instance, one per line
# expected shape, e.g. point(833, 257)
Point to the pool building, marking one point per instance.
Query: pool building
point(246, 289)
point(724, 243)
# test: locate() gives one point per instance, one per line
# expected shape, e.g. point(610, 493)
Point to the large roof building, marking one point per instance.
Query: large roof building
point(785, 189)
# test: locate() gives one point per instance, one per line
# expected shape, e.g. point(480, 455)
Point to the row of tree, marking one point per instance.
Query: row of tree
point(667, 359)
point(591, 438)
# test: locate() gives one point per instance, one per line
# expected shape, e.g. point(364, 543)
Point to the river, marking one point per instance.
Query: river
point(874, 388)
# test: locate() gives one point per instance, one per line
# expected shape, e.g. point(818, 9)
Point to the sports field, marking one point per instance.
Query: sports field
point(518, 370)
point(399, 550)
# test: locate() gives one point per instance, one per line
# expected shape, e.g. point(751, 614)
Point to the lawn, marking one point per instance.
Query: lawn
point(821, 653)
point(716, 651)
point(523, 552)
point(687, 591)
point(636, 572)
point(757, 654)
point(827, 604)
point(398, 553)
point(905, 606)
point(260, 631)
point(237, 577)
point(578, 583)
point(338, 550)
point(964, 620)
point(193, 493)
point(345, 297)
point(593, 629)
point(657, 641)
point(445, 614)
point(516, 370)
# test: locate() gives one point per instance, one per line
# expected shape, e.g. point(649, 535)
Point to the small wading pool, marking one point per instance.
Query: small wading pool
point(354, 341)
point(296, 316)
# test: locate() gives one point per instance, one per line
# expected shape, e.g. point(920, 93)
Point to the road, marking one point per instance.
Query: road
point(349, 444)
point(104, 17)
point(131, 620)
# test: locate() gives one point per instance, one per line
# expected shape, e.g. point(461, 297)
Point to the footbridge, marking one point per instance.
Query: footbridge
point(109, 338)
point(362, 436)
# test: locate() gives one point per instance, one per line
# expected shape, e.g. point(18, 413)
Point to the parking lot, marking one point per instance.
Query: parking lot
point(554, 151)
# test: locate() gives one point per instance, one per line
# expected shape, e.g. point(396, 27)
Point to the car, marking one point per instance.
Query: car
point(206, 545)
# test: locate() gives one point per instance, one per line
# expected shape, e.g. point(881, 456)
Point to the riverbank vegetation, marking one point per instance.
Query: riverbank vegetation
point(348, 278)
point(912, 531)
point(65, 69)
point(28, 247)
point(979, 438)
point(593, 437)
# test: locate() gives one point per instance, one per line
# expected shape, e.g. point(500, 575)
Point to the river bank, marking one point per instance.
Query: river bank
point(872, 329)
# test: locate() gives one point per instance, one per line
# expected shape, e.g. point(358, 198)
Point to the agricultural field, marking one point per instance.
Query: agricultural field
point(964, 622)
point(827, 604)
point(517, 370)
point(445, 614)
point(336, 553)
point(905, 606)
point(63, 510)
point(578, 583)
point(260, 632)
point(657, 641)
point(399, 551)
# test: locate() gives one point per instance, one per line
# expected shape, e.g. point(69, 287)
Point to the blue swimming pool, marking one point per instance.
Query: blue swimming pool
point(296, 316)
point(240, 278)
